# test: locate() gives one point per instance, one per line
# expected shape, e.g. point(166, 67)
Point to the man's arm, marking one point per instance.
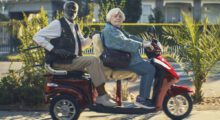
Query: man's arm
point(43, 37)
point(86, 42)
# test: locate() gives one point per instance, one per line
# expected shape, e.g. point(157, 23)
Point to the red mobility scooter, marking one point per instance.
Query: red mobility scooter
point(70, 92)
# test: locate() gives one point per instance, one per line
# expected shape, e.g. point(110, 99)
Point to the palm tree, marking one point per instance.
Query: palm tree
point(199, 46)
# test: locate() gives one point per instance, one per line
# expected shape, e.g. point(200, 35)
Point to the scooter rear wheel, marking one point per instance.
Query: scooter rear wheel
point(64, 107)
point(177, 107)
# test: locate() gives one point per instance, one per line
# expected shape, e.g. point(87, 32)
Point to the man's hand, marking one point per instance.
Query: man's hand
point(93, 33)
point(61, 52)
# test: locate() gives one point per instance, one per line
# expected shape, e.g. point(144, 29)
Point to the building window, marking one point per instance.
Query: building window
point(211, 11)
point(173, 14)
point(146, 11)
point(173, 11)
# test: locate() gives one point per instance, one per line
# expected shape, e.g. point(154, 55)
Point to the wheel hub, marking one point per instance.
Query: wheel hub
point(178, 105)
point(64, 109)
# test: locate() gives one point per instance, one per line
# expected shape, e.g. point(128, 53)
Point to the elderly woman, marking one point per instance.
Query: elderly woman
point(116, 38)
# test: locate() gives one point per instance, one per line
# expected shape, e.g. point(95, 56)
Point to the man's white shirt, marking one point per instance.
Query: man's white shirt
point(53, 30)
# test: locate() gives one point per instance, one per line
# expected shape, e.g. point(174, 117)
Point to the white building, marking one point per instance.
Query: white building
point(171, 9)
point(15, 8)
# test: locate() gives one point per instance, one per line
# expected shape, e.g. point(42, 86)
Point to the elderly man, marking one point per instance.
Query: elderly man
point(63, 41)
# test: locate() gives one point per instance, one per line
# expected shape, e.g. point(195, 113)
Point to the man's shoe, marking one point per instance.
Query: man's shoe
point(105, 101)
point(140, 102)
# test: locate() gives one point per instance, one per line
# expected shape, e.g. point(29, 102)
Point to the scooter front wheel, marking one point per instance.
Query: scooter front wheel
point(178, 107)
point(64, 107)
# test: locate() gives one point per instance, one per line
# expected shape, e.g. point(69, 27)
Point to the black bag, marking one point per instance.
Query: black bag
point(114, 58)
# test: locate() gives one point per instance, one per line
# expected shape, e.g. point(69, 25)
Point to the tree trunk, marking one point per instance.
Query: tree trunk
point(198, 82)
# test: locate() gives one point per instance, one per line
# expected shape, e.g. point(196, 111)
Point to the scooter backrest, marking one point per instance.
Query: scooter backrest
point(97, 44)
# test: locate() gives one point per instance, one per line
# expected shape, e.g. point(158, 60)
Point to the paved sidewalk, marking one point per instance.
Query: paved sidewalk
point(195, 115)
point(5, 66)
point(14, 115)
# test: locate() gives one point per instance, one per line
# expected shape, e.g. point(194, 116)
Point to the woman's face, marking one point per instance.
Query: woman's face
point(116, 19)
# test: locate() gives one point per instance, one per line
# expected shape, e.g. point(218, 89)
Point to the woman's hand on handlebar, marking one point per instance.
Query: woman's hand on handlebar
point(148, 46)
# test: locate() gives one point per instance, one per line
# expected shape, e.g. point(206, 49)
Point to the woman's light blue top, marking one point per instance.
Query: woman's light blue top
point(118, 39)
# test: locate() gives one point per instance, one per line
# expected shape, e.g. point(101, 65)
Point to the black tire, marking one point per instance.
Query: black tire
point(70, 100)
point(178, 117)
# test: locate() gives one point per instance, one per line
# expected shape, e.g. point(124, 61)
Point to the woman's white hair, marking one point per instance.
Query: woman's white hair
point(114, 11)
